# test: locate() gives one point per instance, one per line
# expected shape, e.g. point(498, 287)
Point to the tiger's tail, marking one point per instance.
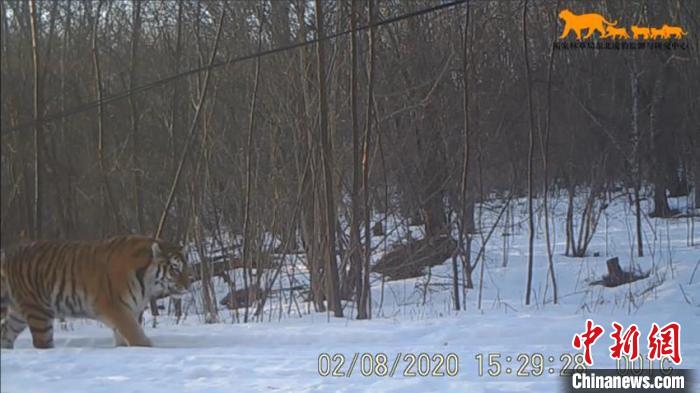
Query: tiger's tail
point(610, 23)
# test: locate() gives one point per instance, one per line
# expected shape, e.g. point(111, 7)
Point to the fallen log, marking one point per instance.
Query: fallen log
point(410, 259)
point(220, 267)
point(243, 298)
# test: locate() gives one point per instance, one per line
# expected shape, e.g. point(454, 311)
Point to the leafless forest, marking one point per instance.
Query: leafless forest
point(352, 111)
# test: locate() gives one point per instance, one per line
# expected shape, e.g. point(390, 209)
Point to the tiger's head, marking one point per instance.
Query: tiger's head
point(172, 276)
point(565, 14)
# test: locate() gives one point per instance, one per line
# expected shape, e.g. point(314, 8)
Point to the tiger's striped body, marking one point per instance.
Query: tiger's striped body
point(110, 281)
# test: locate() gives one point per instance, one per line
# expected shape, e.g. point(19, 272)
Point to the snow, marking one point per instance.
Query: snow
point(281, 352)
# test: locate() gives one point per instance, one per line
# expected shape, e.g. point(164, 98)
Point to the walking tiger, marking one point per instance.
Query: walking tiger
point(110, 281)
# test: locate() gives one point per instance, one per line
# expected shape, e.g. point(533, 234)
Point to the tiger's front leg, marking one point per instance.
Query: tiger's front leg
point(118, 339)
point(126, 328)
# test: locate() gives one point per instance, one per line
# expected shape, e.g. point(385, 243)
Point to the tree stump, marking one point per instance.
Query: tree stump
point(615, 273)
point(377, 229)
point(616, 276)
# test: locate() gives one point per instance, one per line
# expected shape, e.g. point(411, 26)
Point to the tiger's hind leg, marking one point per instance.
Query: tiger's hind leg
point(125, 325)
point(11, 326)
point(41, 328)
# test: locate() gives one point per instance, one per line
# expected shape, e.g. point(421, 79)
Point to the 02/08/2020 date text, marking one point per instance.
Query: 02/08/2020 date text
point(381, 365)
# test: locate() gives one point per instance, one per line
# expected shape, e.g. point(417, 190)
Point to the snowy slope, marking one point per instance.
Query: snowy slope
point(281, 354)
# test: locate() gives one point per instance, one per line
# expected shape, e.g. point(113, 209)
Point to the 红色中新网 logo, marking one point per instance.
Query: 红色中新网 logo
point(593, 30)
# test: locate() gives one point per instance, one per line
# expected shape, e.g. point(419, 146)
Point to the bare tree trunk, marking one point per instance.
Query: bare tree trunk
point(365, 299)
point(695, 165)
point(638, 219)
point(696, 184)
point(636, 171)
point(249, 168)
point(570, 240)
point(308, 174)
point(482, 250)
point(38, 128)
point(332, 283)
point(545, 173)
point(57, 212)
point(355, 247)
point(65, 45)
point(465, 166)
point(210, 311)
point(193, 129)
point(175, 119)
point(19, 168)
point(135, 165)
point(187, 146)
point(176, 92)
point(531, 145)
point(108, 199)
point(658, 164)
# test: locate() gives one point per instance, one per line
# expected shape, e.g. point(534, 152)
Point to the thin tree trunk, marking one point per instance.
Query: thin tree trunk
point(355, 250)
point(38, 128)
point(531, 145)
point(69, 197)
point(545, 173)
point(249, 168)
point(570, 240)
point(108, 199)
point(332, 283)
point(173, 126)
point(696, 182)
point(135, 165)
point(638, 219)
point(658, 159)
point(482, 250)
point(636, 172)
point(465, 168)
point(365, 299)
point(210, 311)
point(193, 129)
point(176, 92)
point(48, 146)
point(308, 175)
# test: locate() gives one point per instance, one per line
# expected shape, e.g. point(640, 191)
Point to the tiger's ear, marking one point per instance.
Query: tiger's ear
point(155, 248)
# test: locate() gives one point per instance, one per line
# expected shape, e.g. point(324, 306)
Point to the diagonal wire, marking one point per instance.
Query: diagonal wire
point(126, 93)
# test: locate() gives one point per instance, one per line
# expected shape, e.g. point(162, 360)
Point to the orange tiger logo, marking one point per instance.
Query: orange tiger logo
point(673, 31)
point(111, 281)
point(616, 33)
point(657, 33)
point(577, 23)
point(640, 32)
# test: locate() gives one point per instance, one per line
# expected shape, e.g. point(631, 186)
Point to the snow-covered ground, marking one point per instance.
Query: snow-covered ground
point(282, 352)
